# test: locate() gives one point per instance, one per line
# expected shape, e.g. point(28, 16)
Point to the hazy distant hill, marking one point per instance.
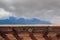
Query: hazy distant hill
point(13, 20)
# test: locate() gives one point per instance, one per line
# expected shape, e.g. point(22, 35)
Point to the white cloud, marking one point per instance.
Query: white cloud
point(4, 14)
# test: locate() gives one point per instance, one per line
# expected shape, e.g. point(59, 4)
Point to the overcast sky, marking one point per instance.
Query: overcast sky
point(42, 9)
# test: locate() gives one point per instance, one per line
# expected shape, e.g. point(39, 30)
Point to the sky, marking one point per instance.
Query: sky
point(48, 10)
point(13, 20)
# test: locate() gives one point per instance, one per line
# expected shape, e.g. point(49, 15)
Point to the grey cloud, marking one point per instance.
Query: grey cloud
point(37, 5)
point(44, 9)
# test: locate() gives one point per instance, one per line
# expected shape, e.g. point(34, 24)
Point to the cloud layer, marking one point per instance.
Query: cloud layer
point(41, 9)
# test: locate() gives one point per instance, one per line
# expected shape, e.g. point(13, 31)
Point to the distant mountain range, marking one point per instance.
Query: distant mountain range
point(13, 20)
